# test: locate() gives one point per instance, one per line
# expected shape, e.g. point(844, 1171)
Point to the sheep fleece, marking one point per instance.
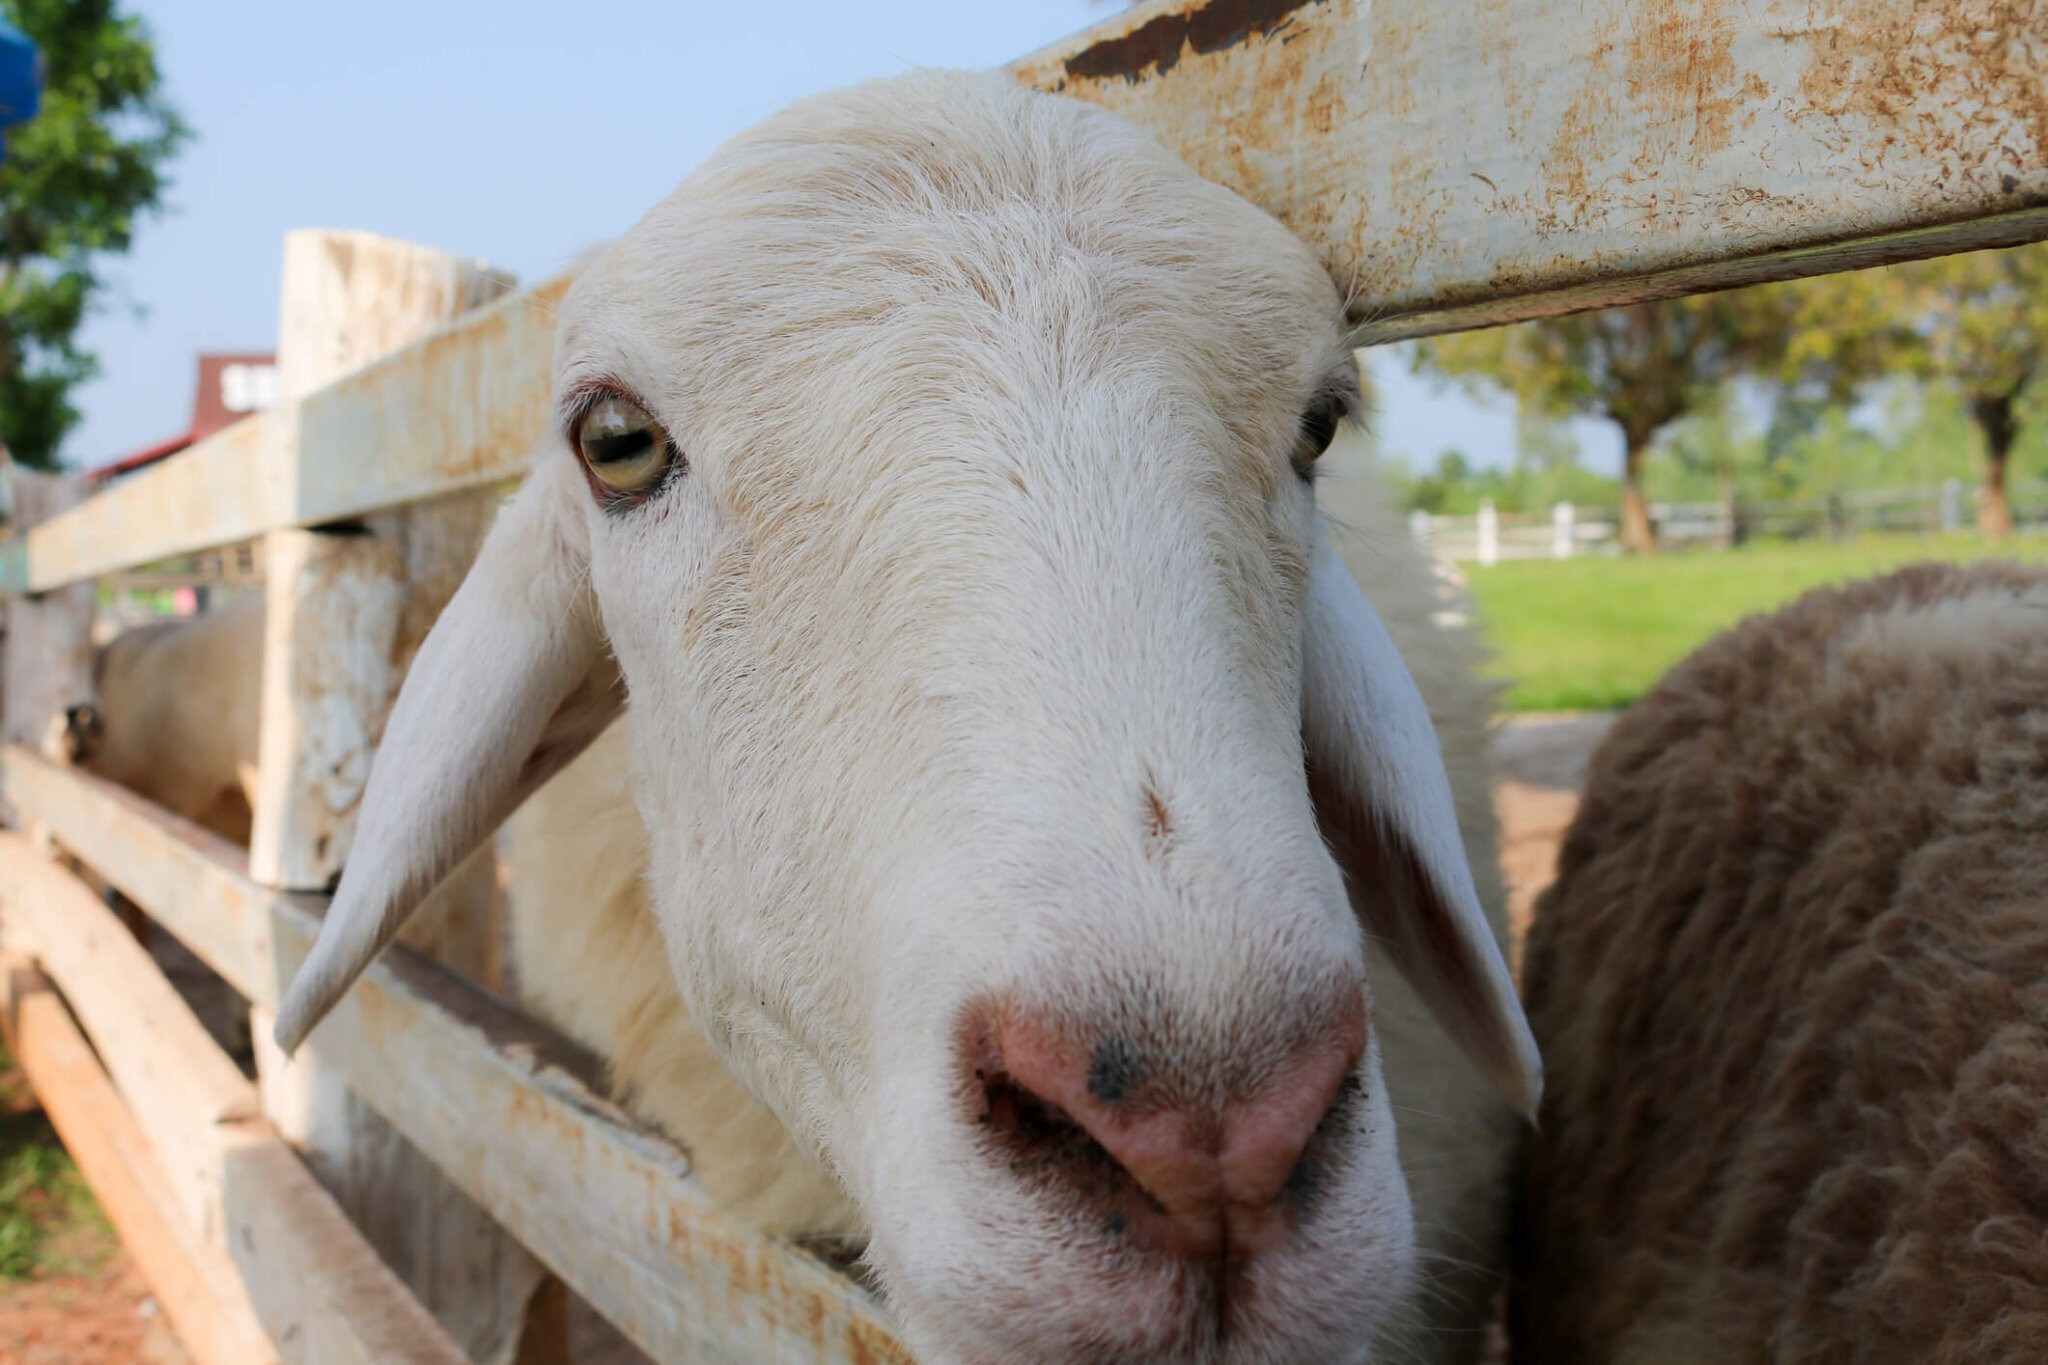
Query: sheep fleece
point(1792, 987)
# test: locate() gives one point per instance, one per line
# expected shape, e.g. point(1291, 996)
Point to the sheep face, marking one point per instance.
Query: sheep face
point(933, 464)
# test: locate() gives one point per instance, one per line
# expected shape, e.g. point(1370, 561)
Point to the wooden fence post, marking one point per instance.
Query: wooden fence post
point(347, 607)
point(46, 666)
point(49, 636)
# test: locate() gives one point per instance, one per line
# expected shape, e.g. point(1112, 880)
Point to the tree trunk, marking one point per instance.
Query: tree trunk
point(1994, 417)
point(1638, 536)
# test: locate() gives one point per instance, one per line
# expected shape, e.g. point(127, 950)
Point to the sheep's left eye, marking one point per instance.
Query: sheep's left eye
point(1318, 429)
point(624, 448)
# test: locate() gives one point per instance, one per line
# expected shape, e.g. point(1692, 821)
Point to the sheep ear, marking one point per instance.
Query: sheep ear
point(1377, 778)
point(513, 681)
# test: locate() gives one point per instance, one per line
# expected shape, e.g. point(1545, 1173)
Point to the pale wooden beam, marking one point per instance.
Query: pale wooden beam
point(48, 664)
point(158, 1054)
point(1452, 170)
point(347, 606)
point(511, 1111)
point(1460, 166)
point(201, 1292)
point(319, 1290)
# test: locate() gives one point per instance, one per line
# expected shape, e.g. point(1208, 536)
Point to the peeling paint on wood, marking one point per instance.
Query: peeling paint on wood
point(345, 613)
point(225, 483)
point(1514, 160)
point(1590, 151)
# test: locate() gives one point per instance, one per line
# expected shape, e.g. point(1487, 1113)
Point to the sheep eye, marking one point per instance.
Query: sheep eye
point(624, 448)
point(1318, 429)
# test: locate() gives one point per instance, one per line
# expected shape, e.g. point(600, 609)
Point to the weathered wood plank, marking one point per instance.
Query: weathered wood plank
point(197, 1284)
point(228, 487)
point(461, 409)
point(48, 664)
point(1524, 160)
point(158, 860)
point(511, 1112)
point(1512, 160)
point(456, 411)
point(319, 1290)
point(179, 1085)
point(346, 611)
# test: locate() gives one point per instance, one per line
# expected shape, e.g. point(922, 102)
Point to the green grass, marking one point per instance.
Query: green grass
point(49, 1223)
point(1595, 634)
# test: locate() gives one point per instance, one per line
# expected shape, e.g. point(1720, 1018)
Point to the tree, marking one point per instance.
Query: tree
point(1977, 321)
point(1644, 366)
point(1986, 325)
point(75, 181)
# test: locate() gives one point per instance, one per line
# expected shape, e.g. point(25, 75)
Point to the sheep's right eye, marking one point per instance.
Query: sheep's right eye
point(623, 447)
point(1318, 429)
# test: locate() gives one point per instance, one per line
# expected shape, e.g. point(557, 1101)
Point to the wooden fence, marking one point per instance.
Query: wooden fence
point(407, 1189)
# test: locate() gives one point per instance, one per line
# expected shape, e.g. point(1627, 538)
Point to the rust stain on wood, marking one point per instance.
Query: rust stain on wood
point(1922, 72)
point(1155, 46)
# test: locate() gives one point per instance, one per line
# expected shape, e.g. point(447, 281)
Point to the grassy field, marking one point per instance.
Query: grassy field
point(1595, 634)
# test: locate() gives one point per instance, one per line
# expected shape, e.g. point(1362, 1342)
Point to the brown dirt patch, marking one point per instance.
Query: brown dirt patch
point(104, 1317)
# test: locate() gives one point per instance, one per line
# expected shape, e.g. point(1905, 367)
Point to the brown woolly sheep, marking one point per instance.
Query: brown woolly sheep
point(1791, 985)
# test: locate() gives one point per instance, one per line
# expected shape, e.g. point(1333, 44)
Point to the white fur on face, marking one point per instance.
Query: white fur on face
point(965, 669)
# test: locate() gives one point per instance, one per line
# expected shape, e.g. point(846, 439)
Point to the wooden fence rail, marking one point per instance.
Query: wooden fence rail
point(1454, 166)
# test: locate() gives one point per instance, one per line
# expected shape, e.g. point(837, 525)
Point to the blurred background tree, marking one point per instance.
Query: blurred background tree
point(1642, 366)
point(1986, 323)
point(75, 181)
point(1918, 346)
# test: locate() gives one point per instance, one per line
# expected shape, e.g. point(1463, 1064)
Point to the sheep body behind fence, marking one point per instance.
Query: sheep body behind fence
point(1792, 988)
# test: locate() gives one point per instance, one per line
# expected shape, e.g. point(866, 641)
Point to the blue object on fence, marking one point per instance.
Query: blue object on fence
point(21, 80)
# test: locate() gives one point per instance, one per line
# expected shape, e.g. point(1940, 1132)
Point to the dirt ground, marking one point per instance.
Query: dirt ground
point(86, 1304)
point(1541, 764)
point(104, 1315)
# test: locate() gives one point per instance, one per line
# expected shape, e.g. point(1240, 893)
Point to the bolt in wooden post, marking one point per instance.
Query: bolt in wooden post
point(347, 607)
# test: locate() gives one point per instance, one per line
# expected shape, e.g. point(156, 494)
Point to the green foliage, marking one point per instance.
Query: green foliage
point(76, 180)
point(1977, 322)
point(1452, 488)
point(41, 1193)
point(1642, 366)
point(1597, 633)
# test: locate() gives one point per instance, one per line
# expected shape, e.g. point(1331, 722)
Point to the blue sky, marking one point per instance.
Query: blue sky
point(517, 131)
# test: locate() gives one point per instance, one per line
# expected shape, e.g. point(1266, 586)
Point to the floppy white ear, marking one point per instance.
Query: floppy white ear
point(513, 681)
point(1377, 777)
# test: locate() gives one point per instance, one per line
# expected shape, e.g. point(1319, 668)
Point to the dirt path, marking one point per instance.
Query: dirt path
point(1541, 766)
point(106, 1317)
point(83, 1302)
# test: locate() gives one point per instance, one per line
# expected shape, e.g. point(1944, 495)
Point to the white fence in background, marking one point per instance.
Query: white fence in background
point(1566, 531)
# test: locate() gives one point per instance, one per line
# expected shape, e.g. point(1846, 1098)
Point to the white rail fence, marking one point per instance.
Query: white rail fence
point(414, 1188)
point(1566, 530)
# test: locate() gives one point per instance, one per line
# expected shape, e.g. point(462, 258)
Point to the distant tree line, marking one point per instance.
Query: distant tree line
point(1951, 347)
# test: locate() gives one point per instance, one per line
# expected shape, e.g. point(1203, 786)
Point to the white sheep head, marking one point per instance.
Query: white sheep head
point(934, 464)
